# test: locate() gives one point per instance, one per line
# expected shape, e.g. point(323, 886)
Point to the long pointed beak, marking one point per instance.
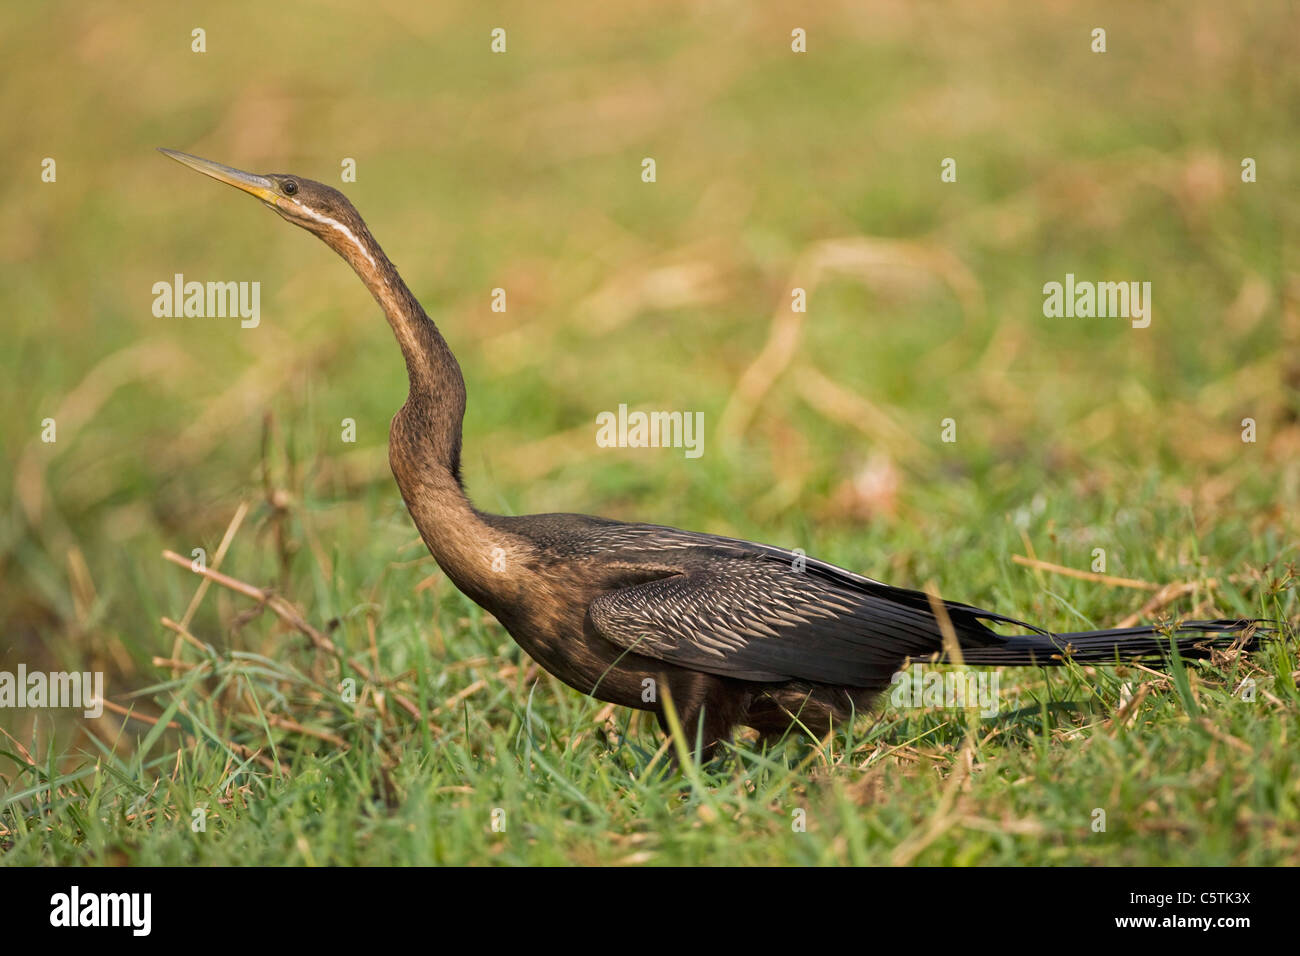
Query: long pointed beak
point(259, 186)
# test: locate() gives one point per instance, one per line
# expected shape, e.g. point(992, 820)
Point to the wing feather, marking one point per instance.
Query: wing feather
point(752, 618)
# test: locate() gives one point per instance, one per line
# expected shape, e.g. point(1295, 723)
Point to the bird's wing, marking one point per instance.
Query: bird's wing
point(754, 618)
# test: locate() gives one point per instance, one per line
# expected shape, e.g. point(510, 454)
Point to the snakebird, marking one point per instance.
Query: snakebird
point(733, 633)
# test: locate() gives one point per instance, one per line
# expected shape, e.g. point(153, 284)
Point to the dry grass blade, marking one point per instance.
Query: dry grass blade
point(234, 746)
point(286, 612)
point(1164, 597)
point(1105, 579)
point(869, 259)
point(181, 627)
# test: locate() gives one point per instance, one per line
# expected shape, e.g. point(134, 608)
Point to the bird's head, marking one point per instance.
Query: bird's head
point(314, 206)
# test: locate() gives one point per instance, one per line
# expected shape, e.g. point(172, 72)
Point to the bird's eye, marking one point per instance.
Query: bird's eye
point(289, 187)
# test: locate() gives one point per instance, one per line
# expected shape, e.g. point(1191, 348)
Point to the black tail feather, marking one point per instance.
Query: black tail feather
point(1193, 639)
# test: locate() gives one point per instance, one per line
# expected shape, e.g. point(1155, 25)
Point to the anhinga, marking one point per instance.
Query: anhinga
point(738, 633)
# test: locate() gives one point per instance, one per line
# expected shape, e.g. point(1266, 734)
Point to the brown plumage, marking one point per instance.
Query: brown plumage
point(737, 633)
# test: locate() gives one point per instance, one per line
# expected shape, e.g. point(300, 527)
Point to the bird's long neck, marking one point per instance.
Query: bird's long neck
point(425, 437)
point(435, 405)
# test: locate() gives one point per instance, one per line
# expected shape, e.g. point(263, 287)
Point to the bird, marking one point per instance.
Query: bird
point(716, 632)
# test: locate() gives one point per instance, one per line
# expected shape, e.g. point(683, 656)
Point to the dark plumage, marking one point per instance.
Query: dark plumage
point(738, 633)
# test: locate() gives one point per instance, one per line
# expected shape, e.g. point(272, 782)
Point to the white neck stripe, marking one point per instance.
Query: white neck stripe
point(334, 223)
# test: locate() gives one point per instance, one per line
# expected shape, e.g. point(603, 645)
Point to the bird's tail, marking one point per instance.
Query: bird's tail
point(1192, 639)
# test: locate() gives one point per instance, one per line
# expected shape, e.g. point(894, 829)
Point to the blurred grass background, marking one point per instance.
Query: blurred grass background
point(522, 171)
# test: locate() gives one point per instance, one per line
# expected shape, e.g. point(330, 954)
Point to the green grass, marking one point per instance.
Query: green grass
point(1193, 775)
point(523, 172)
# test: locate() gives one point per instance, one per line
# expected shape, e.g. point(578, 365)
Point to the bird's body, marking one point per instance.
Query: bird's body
point(733, 632)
